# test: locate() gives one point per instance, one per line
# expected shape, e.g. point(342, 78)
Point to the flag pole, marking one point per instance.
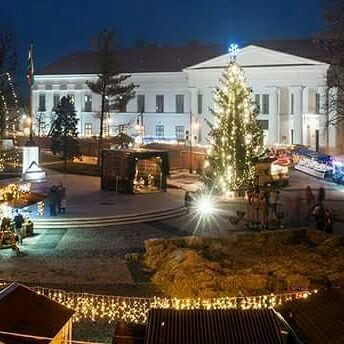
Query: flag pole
point(30, 115)
point(30, 79)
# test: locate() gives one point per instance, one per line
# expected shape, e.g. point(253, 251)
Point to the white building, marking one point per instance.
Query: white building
point(176, 86)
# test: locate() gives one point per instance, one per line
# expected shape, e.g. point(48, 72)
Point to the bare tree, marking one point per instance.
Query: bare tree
point(332, 39)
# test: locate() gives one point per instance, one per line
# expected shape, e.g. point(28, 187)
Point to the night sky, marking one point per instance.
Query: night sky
point(59, 27)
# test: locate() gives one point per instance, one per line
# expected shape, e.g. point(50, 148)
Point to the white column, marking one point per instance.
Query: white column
point(298, 115)
point(273, 117)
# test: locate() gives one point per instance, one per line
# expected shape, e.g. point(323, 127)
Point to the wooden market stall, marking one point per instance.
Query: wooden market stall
point(134, 170)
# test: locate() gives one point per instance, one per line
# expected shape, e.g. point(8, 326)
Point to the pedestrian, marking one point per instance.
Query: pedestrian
point(309, 197)
point(59, 197)
point(63, 204)
point(319, 214)
point(263, 210)
point(321, 195)
point(250, 210)
point(18, 223)
point(274, 195)
point(53, 200)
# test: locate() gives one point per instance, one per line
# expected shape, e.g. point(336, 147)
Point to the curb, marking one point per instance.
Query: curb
point(97, 222)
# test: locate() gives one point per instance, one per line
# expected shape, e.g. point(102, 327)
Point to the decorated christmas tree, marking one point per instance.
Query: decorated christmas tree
point(235, 136)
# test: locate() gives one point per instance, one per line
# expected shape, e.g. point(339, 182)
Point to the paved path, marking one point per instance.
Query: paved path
point(85, 199)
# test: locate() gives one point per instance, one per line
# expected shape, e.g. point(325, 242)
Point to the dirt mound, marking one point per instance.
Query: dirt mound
point(250, 263)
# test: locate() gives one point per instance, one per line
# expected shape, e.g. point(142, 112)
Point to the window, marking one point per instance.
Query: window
point(317, 103)
point(72, 97)
point(199, 104)
point(257, 101)
point(41, 102)
point(159, 103)
point(56, 101)
point(88, 129)
point(180, 103)
point(159, 130)
point(41, 129)
point(88, 103)
point(265, 104)
point(180, 132)
point(140, 103)
point(292, 104)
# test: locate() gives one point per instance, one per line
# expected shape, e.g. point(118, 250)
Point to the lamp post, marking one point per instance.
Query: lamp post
point(193, 125)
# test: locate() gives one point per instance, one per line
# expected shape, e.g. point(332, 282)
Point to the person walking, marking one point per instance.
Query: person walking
point(309, 197)
point(53, 200)
point(263, 210)
point(18, 223)
point(319, 214)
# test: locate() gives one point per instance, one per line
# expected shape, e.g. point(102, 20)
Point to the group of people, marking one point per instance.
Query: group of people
point(261, 206)
point(316, 208)
point(57, 199)
point(11, 231)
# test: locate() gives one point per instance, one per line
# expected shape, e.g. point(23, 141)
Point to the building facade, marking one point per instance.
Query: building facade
point(173, 103)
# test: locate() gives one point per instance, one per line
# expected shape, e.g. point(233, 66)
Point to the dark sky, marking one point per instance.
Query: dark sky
point(62, 26)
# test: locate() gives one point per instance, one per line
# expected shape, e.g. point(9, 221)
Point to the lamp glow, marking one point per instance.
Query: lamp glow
point(205, 205)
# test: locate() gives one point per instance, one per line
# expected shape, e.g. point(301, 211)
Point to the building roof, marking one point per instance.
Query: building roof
point(24, 311)
point(153, 58)
point(306, 47)
point(319, 318)
point(214, 327)
point(136, 60)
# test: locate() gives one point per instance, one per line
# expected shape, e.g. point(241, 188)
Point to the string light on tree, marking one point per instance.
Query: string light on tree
point(9, 109)
point(235, 137)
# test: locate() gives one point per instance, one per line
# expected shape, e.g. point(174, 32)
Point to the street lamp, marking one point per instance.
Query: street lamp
point(194, 125)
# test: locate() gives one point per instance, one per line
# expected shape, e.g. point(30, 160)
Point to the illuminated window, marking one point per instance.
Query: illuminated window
point(88, 103)
point(72, 98)
point(159, 103)
point(180, 132)
point(159, 130)
point(88, 129)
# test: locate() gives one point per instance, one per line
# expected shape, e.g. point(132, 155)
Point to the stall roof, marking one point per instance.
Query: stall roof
point(214, 327)
point(318, 319)
point(26, 312)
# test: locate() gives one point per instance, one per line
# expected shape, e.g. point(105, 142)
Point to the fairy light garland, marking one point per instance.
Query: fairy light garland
point(135, 310)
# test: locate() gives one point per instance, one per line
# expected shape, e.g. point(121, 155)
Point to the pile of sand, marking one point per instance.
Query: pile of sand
point(252, 263)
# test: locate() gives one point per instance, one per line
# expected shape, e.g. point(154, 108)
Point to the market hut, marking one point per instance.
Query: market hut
point(134, 170)
point(27, 317)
